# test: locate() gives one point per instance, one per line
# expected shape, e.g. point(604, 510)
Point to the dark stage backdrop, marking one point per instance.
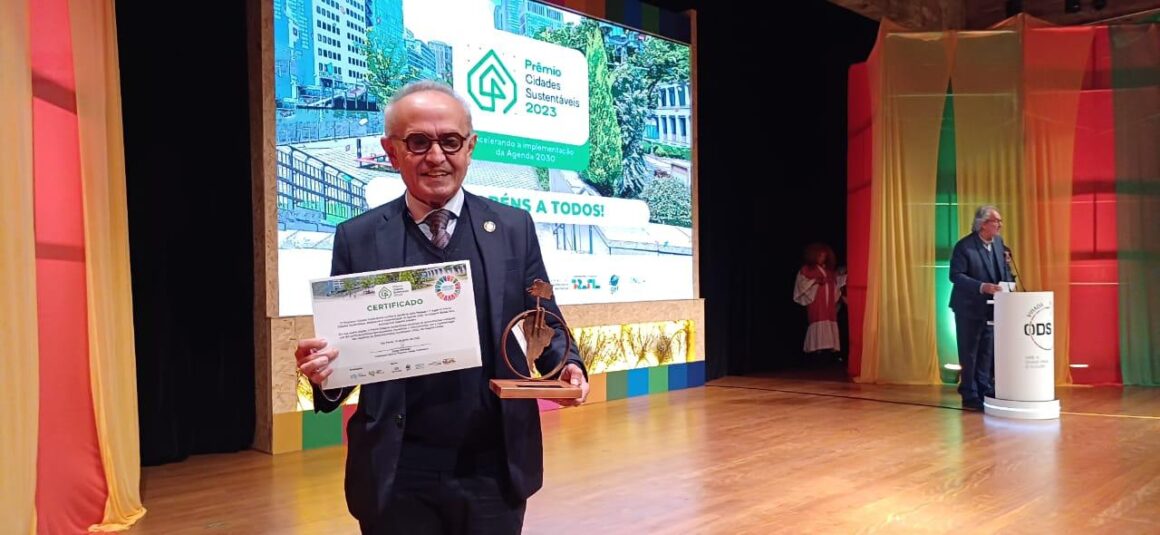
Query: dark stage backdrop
point(184, 93)
point(772, 125)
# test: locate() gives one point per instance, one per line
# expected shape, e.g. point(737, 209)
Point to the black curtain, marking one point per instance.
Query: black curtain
point(772, 169)
point(184, 96)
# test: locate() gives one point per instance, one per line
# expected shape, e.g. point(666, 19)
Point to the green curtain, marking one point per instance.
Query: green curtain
point(1136, 97)
point(946, 233)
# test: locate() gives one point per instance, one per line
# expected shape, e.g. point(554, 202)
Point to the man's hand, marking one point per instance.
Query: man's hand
point(314, 359)
point(574, 375)
point(991, 289)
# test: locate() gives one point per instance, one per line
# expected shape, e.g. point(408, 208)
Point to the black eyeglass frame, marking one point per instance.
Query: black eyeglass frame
point(418, 143)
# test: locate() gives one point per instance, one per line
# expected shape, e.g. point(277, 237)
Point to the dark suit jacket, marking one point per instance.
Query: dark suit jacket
point(970, 267)
point(511, 261)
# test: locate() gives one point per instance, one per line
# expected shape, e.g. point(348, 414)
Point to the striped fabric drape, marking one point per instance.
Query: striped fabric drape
point(992, 123)
point(69, 374)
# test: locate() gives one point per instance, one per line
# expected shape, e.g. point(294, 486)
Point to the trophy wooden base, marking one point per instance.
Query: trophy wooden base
point(524, 389)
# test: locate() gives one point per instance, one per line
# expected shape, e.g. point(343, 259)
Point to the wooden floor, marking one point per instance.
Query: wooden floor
point(755, 455)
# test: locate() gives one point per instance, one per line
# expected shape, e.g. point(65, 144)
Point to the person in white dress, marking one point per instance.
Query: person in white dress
point(820, 287)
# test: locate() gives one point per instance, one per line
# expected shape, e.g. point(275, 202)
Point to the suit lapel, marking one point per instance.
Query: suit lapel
point(389, 236)
point(491, 250)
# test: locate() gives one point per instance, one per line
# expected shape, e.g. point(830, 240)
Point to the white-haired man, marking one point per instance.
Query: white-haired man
point(978, 266)
point(440, 453)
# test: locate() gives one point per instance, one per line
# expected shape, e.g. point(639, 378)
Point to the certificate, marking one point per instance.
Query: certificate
point(397, 323)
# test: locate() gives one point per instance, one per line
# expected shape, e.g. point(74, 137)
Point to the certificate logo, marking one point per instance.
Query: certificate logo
point(448, 287)
point(385, 293)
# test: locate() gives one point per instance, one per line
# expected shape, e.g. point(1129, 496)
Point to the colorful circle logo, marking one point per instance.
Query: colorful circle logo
point(448, 287)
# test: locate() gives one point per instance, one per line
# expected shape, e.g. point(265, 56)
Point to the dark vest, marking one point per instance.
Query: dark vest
point(994, 259)
point(996, 263)
point(453, 419)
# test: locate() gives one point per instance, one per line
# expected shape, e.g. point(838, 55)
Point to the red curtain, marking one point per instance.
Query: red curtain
point(858, 170)
point(1095, 314)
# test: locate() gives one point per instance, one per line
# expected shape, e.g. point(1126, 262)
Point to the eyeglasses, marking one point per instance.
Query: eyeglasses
point(421, 143)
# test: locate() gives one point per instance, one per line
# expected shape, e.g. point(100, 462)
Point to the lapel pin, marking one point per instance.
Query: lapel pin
point(489, 226)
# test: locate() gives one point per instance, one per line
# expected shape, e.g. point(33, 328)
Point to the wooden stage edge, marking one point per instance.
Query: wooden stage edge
point(756, 454)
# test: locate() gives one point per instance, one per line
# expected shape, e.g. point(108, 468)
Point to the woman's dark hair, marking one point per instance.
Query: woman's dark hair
point(813, 250)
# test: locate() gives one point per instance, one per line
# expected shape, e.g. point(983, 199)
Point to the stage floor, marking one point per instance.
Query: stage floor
point(755, 455)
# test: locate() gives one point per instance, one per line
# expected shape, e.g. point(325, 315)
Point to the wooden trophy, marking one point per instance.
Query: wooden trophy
point(538, 335)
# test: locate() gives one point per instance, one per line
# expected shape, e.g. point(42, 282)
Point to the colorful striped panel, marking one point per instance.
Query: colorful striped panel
point(306, 430)
point(617, 385)
point(696, 374)
point(658, 380)
point(597, 388)
point(678, 376)
point(321, 429)
point(638, 382)
point(287, 432)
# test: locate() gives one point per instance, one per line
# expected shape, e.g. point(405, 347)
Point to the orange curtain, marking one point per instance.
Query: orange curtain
point(909, 75)
point(112, 359)
point(20, 365)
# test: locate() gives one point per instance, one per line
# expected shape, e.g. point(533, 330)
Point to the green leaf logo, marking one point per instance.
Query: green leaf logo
point(491, 85)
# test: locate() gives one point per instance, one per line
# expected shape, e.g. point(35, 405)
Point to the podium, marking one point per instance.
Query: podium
point(1024, 357)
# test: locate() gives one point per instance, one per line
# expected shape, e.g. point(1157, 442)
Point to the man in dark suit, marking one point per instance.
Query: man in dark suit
point(441, 453)
point(978, 265)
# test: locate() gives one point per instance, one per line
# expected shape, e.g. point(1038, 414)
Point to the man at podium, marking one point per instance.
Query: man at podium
point(977, 268)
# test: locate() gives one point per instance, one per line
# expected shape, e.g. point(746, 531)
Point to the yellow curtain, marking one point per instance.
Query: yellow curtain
point(909, 75)
point(988, 130)
point(111, 349)
point(1054, 62)
point(19, 366)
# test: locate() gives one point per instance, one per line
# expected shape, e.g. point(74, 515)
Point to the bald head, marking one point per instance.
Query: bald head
point(431, 93)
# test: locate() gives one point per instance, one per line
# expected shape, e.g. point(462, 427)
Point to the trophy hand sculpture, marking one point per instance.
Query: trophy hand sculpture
point(538, 336)
point(537, 333)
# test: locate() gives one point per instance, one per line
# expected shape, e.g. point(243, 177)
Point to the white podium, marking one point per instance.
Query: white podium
point(1024, 357)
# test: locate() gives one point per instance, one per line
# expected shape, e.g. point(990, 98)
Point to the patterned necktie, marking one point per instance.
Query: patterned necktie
point(437, 222)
